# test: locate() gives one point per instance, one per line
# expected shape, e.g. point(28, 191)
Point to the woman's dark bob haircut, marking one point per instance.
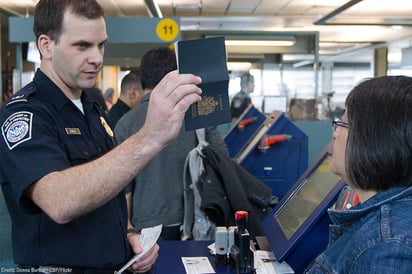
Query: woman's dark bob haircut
point(379, 144)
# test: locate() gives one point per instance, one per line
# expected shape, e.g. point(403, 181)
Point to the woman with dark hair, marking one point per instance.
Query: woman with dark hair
point(372, 152)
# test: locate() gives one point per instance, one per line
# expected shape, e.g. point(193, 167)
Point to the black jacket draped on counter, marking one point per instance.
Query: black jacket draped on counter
point(226, 187)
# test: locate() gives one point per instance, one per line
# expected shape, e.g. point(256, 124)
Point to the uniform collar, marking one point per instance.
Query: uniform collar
point(49, 91)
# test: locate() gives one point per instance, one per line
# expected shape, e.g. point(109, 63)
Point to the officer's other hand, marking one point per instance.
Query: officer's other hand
point(146, 262)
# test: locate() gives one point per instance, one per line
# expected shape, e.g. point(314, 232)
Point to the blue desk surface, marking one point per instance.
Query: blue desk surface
point(170, 262)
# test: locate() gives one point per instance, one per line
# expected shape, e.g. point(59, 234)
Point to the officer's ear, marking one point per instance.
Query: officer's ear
point(45, 45)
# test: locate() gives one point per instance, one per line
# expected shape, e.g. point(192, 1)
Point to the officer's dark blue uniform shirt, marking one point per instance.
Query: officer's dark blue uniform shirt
point(43, 131)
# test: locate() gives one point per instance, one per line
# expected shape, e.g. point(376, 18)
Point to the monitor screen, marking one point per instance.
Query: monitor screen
point(272, 103)
point(304, 200)
point(33, 54)
point(297, 229)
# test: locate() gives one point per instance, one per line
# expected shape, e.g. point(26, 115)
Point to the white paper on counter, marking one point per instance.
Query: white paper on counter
point(197, 265)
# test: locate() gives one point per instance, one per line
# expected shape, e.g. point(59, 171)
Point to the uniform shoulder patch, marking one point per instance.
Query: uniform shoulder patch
point(17, 128)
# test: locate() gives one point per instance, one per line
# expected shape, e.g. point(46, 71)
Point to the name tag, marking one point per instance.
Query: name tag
point(73, 131)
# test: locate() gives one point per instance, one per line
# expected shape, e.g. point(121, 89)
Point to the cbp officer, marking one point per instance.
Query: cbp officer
point(61, 178)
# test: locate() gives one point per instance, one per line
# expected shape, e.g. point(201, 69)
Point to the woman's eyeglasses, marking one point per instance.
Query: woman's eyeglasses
point(337, 122)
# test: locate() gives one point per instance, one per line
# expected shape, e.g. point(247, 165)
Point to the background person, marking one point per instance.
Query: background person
point(156, 195)
point(61, 178)
point(108, 97)
point(242, 99)
point(372, 152)
point(131, 93)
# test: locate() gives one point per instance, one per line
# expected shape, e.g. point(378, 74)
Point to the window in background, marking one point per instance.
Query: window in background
point(400, 71)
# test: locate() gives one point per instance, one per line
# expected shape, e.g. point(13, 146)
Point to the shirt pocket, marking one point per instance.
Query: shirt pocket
point(78, 152)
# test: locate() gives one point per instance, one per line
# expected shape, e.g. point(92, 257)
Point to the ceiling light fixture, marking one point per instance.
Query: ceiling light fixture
point(188, 7)
point(231, 66)
point(260, 43)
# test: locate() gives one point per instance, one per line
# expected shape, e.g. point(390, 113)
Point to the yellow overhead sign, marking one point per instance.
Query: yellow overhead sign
point(167, 29)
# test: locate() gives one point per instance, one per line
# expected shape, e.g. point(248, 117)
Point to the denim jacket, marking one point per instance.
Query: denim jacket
point(372, 237)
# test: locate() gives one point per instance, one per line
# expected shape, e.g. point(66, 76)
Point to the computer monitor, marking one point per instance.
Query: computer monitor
point(30, 52)
point(297, 228)
point(272, 103)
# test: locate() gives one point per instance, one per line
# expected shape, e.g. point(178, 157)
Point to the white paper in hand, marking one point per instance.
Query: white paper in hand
point(148, 239)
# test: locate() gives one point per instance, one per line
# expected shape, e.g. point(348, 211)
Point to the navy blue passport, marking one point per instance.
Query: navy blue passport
point(206, 58)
